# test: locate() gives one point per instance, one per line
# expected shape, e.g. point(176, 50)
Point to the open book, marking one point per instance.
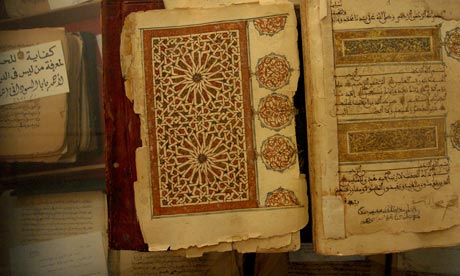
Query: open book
point(384, 123)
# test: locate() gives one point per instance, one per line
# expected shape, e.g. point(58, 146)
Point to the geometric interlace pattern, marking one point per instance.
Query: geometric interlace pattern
point(199, 118)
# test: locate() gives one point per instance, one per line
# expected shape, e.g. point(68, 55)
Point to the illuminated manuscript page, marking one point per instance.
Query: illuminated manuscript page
point(283, 243)
point(213, 89)
point(384, 124)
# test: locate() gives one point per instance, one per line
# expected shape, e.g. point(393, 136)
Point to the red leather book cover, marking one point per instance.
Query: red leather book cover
point(122, 129)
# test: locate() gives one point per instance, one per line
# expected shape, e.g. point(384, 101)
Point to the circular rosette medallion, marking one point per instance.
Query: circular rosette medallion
point(275, 111)
point(281, 197)
point(455, 138)
point(452, 43)
point(273, 71)
point(278, 153)
point(270, 25)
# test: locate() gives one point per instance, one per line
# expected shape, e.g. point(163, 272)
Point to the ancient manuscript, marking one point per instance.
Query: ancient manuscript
point(384, 124)
point(47, 95)
point(133, 263)
point(38, 221)
point(213, 89)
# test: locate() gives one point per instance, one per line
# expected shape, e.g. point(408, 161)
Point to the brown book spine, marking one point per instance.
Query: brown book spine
point(122, 129)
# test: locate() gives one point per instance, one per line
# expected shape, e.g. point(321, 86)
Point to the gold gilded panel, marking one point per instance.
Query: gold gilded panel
point(387, 45)
point(391, 140)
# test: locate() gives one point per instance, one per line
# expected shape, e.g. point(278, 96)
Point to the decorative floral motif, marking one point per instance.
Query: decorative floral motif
point(201, 158)
point(275, 111)
point(273, 71)
point(278, 153)
point(281, 197)
point(270, 25)
point(452, 43)
point(455, 127)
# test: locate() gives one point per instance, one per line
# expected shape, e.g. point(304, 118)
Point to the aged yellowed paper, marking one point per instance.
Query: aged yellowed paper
point(127, 263)
point(75, 255)
point(35, 128)
point(383, 123)
point(442, 261)
point(283, 243)
point(213, 89)
point(33, 72)
point(34, 219)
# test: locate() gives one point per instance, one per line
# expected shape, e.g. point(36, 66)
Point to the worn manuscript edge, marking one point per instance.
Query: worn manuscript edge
point(329, 239)
point(133, 91)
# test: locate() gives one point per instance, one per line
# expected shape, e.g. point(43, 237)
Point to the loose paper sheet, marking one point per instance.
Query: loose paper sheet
point(53, 216)
point(306, 254)
point(73, 256)
point(227, 169)
point(306, 262)
point(430, 260)
point(351, 268)
point(38, 218)
point(25, 7)
point(284, 243)
point(132, 263)
point(58, 4)
point(383, 123)
point(32, 72)
point(32, 7)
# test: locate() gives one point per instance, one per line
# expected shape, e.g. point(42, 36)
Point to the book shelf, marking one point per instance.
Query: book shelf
point(84, 17)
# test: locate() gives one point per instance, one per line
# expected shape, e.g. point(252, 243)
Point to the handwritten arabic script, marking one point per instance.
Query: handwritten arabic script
point(32, 72)
point(340, 15)
point(411, 90)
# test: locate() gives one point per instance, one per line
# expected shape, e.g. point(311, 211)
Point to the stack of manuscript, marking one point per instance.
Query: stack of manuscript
point(213, 88)
point(49, 95)
point(384, 124)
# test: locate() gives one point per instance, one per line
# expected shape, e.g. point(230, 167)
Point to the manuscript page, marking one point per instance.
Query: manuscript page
point(38, 218)
point(35, 128)
point(213, 89)
point(289, 242)
point(45, 217)
point(284, 243)
point(383, 124)
point(440, 261)
point(169, 263)
point(73, 256)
